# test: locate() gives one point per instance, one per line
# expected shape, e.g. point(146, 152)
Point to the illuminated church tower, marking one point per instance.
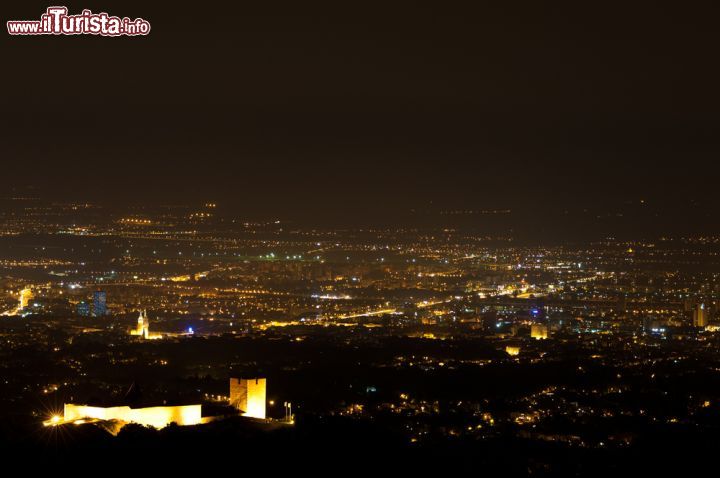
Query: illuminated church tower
point(143, 327)
point(143, 324)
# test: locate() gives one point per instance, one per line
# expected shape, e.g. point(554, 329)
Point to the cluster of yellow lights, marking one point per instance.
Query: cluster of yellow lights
point(24, 298)
point(183, 278)
point(136, 221)
point(539, 331)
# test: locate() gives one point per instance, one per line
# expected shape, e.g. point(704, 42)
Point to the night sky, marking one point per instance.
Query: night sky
point(307, 108)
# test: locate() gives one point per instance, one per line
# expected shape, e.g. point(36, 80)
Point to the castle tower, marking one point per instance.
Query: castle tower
point(248, 396)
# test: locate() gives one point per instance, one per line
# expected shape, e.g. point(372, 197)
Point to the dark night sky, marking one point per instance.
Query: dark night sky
point(300, 106)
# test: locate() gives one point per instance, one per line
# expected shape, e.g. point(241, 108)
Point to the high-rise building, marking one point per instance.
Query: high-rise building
point(99, 303)
point(700, 316)
point(248, 396)
point(83, 309)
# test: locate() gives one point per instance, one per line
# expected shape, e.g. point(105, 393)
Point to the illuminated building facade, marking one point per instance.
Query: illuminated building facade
point(539, 331)
point(700, 316)
point(143, 328)
point(512, 350)
point(83, 309)
point(26, 296)
point(248, 396)
point(99, 303)
point(143, 325)
point(157, 417)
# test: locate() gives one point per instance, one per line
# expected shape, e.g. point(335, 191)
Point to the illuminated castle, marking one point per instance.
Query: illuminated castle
point(143, 328)
point(131, 409)
point(158, 417)
point(248, 396)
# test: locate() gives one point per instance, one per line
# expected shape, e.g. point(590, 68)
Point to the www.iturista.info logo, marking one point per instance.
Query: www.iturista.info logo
point(56, 21)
